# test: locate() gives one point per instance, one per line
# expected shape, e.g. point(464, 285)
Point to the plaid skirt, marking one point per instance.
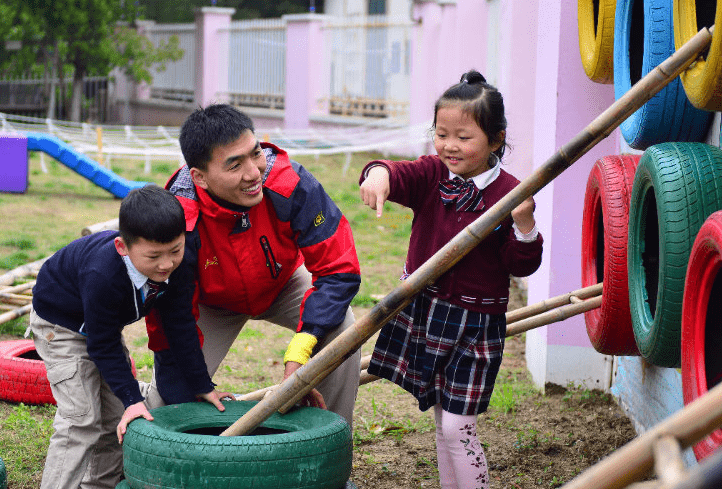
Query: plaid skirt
point(442, 353)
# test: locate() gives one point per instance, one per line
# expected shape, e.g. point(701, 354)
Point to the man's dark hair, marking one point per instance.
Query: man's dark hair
point(209, 128)
point(151, 213)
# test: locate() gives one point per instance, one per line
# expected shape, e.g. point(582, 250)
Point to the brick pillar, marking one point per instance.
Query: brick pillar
point(211, 76)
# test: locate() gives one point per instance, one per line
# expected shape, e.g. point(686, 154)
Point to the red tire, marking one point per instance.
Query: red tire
point(22, 374)
point(23, 377)
point(701, 322)
point(604, 253)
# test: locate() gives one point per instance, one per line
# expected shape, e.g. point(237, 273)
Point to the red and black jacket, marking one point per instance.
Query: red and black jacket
point(245, 257)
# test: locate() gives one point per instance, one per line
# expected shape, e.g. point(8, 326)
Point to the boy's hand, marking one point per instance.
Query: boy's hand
point(313, 398)
point(214, 397)
point(133, 411)
point(376, 188)
point(523, 215)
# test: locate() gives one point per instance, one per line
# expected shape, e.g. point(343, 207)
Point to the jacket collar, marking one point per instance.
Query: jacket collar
point(192, 198)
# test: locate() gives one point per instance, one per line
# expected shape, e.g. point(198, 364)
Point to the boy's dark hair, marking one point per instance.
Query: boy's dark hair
point(480, 100)
point(206, 129)
point(151, 213)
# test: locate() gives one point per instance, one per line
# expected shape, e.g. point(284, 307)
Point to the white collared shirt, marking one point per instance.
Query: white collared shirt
point(483, 180)
point(139, 280)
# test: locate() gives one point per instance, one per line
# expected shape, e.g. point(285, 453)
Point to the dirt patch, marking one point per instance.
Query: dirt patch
point(545, 441)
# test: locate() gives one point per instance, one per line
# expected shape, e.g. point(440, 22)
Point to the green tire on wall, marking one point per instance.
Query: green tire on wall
point(676, 187)
point(3, 475)
point(305, 448)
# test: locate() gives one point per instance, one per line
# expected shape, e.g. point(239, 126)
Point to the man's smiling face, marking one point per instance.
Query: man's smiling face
point(235, 172)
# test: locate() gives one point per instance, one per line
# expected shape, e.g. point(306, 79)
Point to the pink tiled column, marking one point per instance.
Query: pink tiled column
point(566, 101)
point(306, 75)
point(211, 76)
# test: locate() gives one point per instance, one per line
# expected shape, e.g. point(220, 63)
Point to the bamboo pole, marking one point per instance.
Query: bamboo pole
point(559, 314)
point(297, 385)
point(18, 288)
point(365, 362)
point(15, 298)
point(551, 303)
point(706, 475)
point(15, 313)
point(519, 316)
point(101, 226)
point(634, 460)
point(668, 463)
point(23, 271)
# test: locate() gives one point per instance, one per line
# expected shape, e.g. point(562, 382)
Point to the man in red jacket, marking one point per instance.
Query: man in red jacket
point(269, 244)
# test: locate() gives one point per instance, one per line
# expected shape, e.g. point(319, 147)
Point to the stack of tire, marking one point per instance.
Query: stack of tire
point(307, 448)
point(652, 228)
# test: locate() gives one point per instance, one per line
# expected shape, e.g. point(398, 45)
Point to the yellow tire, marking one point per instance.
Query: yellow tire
point(596, 38)
point(702, 82)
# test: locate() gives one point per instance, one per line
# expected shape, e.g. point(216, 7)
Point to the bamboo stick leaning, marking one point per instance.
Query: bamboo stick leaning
point(548, 311)
point(296, 386)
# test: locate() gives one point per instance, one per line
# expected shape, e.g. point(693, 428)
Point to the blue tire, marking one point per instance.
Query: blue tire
point(644, 37)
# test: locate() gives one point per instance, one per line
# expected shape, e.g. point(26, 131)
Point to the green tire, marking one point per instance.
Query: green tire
point(3, 475)
point(303, 449)
point(676, 187)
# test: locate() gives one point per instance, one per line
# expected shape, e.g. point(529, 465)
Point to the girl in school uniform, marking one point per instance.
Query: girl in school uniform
point(446, 346)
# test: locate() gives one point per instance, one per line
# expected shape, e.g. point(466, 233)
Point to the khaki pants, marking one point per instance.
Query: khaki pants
point(220, 328)
point(84, 450)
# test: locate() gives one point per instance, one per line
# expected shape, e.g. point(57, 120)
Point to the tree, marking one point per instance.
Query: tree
point(82, 38)
point(180, 11)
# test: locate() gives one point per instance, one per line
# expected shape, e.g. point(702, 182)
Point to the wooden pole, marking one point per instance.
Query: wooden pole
point(23, 271)
point(18, 288)
point(296, 386)
point(559, 314)
point(561, 302)
point(15, 313)
point(15, 298)
point(101, 226)
point(551, 303)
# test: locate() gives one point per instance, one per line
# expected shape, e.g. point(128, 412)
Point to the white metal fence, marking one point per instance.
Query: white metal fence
point(257, 63)
point(370, 66)
point(368, 59)
point(177, 81)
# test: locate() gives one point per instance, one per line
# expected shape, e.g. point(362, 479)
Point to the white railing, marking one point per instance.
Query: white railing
point(177, 81)
point(370, 66)
point(257, 63)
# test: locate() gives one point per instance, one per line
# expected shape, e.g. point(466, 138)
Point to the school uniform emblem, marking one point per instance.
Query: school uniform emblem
point(319, 219)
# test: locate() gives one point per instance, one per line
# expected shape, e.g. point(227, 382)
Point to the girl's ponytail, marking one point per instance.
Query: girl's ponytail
point(472, 77)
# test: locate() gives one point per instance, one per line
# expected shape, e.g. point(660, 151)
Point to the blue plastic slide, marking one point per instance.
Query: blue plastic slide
point(81, 164)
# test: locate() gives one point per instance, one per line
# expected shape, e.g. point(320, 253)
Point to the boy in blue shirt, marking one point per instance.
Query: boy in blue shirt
point(85, 294)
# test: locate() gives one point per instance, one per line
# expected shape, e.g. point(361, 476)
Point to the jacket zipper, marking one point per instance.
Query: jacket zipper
point(271, 263)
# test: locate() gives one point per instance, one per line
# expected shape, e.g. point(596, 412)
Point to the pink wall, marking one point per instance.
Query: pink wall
point(566, 101)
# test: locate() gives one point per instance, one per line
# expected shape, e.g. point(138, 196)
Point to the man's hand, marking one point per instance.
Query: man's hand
point(214, 397)
point(133, 411)
point(375, 188)
point(313, 398)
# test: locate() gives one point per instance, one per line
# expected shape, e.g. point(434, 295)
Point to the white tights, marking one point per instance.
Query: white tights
point(462, 464)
